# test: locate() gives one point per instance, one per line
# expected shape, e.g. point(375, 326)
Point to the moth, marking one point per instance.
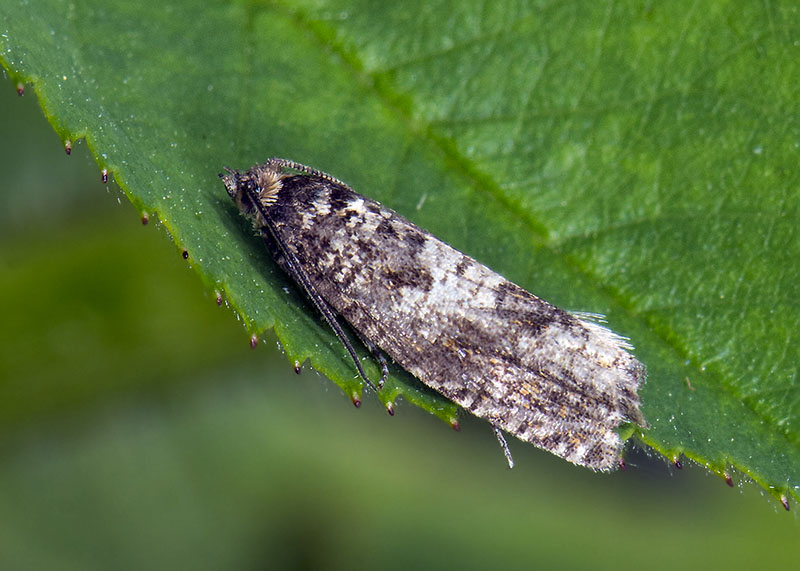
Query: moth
point(558, 380)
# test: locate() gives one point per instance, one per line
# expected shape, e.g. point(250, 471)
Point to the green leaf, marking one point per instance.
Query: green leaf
point(635, 160)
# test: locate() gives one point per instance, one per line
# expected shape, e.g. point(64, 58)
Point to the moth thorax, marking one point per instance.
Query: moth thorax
point(269, 184)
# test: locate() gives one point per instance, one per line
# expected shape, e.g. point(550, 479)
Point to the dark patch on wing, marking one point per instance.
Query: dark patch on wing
point(464, 265)
point(408, 276)
point(386, 230)
point(340, 197)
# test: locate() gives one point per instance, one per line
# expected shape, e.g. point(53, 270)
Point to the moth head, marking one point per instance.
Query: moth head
point(232, 182)
point(237, 184)
point(253, 191)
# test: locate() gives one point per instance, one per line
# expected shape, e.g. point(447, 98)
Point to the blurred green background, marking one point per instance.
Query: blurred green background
point(140, 431)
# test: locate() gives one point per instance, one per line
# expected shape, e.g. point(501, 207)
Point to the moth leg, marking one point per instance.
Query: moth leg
point(330, 316)
point(295, 270)
point(504, 445)
point(380, 357)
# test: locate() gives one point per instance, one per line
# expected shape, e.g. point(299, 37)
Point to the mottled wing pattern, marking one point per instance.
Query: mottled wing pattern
point(554, 380)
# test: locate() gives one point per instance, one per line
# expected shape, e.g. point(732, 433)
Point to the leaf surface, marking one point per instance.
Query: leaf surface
point(634, 160)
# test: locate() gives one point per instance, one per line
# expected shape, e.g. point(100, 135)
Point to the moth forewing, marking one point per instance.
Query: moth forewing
point(559, 381)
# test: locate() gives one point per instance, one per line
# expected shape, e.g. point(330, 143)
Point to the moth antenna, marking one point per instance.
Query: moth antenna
point(305, 169)
point(504, 445)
